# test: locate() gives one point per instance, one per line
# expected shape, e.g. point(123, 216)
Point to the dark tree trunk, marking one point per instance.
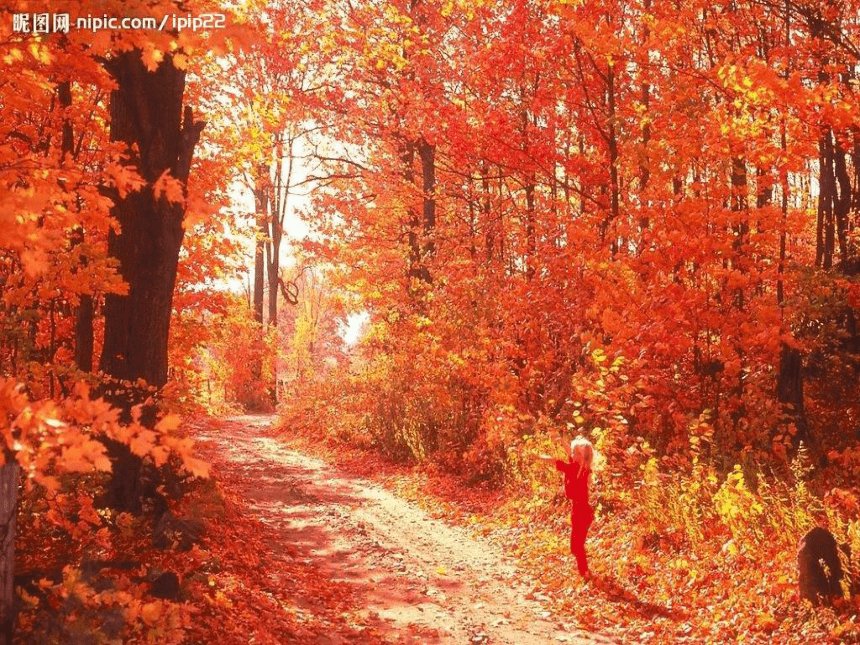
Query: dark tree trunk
point(407, 156)
point(615, 197)
point(146, 113)
point(490, 226)
point(789, 389)
point(84, 334)
point(8, 511)
point(825, 228)
point(84, 311)
point(421, 223)
point(427, 153)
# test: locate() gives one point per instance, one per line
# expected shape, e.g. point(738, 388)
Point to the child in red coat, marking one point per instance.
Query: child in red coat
point(577, 470)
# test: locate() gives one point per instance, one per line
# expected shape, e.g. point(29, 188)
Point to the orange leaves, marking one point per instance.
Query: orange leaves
point(124, 178)
point(82, 455)
point(169, 188)
point(151, 612)
point(49, 440)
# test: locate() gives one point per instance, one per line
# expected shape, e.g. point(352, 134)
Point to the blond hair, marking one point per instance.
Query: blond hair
point(582, 452)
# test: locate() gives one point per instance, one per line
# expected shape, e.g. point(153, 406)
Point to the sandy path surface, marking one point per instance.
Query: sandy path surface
point(420, 580)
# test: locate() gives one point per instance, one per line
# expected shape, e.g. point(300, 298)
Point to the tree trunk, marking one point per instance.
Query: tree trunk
point(9, 490)
point(259, 262)
point(273, 268)
point(146, 113)
point(789, 389)
point(615, 199)
point(825, 226)
point(84, 315)
point(644, 165)
point(84, 310)
point(427, 153)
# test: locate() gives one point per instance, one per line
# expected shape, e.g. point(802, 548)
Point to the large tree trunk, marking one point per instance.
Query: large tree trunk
point(146, 113)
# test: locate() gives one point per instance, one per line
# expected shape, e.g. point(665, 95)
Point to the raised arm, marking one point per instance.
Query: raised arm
point(564, 444)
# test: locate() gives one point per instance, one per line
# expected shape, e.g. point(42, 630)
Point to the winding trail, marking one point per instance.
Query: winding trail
point(419, 579)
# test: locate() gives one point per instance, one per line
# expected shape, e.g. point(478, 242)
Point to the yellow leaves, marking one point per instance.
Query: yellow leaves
point(765, 621)
point(40, 53)
point(15, 55)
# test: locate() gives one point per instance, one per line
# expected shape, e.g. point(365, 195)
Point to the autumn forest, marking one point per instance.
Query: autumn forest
point(368, 321)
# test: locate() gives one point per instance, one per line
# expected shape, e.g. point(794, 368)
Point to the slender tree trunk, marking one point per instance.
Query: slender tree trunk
point(490, 227)
point(644, 167)
point(825, 227)
point(531, 241)
point(615, 188)
point(9, 509)
point(789, 390)
point(84, 310)
point(841, 201)
point(427, 154)
point(739, 205)
point(261, 196)
point(281, 201)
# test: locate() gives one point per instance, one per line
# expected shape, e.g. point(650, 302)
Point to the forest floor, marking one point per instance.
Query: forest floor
point(400, 575)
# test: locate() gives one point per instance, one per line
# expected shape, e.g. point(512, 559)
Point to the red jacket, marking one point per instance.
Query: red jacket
point(575, 482)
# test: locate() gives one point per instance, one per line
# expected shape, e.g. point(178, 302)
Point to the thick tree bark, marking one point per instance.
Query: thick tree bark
point(146, 113)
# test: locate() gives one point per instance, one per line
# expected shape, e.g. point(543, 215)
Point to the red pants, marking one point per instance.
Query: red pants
point(580, 519)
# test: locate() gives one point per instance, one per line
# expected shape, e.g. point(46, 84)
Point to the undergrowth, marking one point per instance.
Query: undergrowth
point(682, 549)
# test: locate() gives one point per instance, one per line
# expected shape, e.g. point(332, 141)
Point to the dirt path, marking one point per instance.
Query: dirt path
point(420, 580)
